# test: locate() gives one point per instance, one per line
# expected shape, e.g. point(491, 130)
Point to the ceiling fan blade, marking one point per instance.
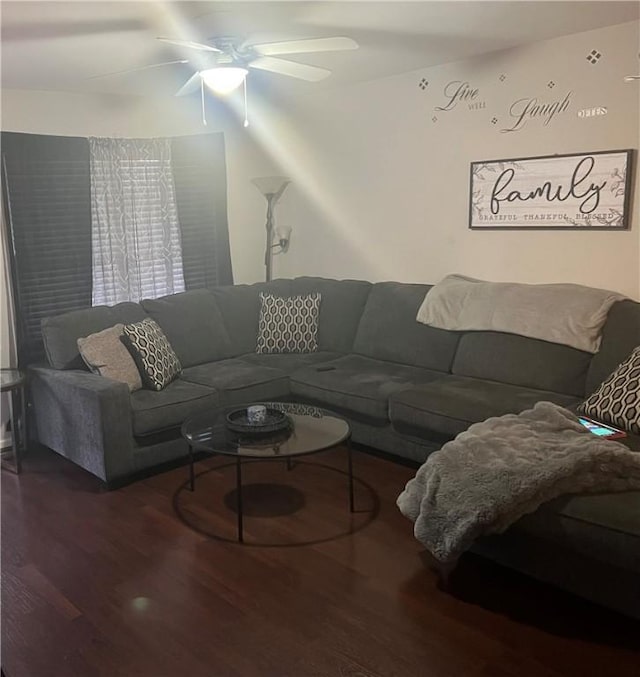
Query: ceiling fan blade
point(191, 85)
point(301, 46)
point(46, 30)
point(291, 68)
point(190, 44)
point(135, 70)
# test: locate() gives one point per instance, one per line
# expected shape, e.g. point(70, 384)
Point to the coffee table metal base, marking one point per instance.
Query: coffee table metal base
point(240, 526)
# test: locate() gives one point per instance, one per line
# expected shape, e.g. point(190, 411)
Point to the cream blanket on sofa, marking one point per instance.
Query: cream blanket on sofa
point(570, 314)
point(505, 467)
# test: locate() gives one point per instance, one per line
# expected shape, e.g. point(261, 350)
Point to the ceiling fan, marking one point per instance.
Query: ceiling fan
point(222, 65)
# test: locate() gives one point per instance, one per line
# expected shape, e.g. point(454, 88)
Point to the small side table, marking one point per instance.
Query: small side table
point(13, 381)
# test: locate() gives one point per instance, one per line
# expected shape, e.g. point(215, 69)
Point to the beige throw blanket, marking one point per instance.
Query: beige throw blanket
point(505, 467)
point(570, 314)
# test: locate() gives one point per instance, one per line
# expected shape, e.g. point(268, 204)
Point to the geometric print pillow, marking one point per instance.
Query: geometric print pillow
point(617, 400)
point(152, 352)
point(288, 324)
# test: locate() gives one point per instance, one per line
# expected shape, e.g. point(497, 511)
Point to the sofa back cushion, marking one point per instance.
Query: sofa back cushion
point(621, 334)
point(389, 331)
point(522, 361)
point(61, 333)
point(193, 324)
point(340, 309)
point(240, 308)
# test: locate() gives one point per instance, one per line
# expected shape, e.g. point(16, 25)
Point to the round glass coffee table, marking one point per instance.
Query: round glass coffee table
point(310, 430)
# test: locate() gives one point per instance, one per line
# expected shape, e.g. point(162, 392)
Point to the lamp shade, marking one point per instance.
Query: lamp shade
point(224, 79)
point(271, 185)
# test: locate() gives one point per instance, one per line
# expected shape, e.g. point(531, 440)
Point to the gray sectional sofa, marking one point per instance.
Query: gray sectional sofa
point(404, 387)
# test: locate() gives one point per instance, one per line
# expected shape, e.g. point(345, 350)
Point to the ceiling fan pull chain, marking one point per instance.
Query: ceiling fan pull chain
point(246, 106)
point(204, 115)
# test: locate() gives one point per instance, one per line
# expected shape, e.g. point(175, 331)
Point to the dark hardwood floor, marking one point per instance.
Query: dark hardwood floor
point(141, 582)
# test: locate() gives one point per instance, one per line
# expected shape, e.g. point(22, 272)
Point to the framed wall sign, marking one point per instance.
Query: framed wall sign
point(588, 191)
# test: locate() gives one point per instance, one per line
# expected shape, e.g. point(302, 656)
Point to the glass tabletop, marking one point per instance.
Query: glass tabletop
point(10, 378)
point(311, 429)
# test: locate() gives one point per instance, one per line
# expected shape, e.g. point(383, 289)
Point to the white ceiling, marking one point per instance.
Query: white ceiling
point(58, 45)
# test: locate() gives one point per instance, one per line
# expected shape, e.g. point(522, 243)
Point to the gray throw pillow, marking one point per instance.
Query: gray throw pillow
point(105, 354)
point(617, 399)
point(152, 352)
point(288, 324)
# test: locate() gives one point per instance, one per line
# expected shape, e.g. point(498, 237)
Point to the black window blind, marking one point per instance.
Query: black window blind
point(200, 180)
point(46, 197)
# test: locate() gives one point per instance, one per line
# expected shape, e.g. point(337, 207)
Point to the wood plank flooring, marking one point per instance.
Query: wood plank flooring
point(147, 581)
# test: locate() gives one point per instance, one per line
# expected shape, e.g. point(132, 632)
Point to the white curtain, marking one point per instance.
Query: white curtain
point(134, 221)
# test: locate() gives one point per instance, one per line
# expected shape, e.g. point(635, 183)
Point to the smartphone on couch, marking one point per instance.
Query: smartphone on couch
point(601, 429)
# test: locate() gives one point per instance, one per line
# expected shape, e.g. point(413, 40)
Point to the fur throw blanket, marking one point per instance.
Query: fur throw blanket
point(505, 467)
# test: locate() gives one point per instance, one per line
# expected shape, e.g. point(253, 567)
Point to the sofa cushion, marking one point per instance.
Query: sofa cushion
point(154, 411)
point(389, 331)
point(621, 334)
point(238, 381)
point(340, 311)
point(603, 526)
point(289, 362)
point(193, 324)
point(449, 405)
point(156, 360)
point(357, 384)
point(521, 361)
point(288, 324)
point(61, 333)
point(240, 308)
point(617, 400)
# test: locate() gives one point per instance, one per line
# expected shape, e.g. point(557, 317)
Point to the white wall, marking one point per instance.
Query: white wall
point(381, 191)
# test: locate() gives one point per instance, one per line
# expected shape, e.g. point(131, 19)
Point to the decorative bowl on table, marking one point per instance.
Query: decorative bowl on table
point(242, 421)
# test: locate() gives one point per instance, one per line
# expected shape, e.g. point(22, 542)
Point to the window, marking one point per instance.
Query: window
point(134, 222)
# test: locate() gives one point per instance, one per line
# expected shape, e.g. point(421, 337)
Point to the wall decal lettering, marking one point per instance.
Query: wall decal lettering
point(594, 56)
point(503, 77)
point(458, 91)
point(587, 191)
point(423, 84)
point(551, 84)
point(592, 112)
point(526, 109)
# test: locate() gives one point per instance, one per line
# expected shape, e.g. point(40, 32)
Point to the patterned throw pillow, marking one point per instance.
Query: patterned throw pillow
point(152, 352)
point(617, 400)
point(288, 324)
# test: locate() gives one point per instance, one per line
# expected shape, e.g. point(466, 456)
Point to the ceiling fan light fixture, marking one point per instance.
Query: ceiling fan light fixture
point(224, 79)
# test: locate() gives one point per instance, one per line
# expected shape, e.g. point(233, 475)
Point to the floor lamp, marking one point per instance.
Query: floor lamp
point(272, 188)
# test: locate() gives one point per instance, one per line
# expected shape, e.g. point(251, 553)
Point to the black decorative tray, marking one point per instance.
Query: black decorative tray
point(238, 421)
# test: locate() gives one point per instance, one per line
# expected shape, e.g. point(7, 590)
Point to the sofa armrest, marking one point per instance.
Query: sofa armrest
point(85, 417)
